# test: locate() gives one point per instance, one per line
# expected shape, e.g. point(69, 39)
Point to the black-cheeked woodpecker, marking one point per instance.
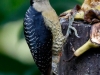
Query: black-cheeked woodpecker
point(44, 36)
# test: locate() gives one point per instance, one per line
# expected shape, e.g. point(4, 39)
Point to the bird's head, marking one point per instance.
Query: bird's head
point(40, 5)
point(32, 1)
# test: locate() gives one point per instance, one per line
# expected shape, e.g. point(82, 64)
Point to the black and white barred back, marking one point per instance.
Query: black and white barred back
point(39, 39)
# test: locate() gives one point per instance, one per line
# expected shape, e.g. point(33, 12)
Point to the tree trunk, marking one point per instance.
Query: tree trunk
point(86, 64)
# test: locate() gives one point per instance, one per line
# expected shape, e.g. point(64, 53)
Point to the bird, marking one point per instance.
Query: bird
point(43, 35)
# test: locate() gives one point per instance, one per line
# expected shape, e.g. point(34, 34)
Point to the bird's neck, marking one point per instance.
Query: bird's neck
point(42, 5)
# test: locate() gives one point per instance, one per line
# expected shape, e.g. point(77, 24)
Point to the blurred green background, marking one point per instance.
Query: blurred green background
point(15, 57)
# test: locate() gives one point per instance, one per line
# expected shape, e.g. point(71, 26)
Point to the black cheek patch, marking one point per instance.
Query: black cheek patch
point(31, 2)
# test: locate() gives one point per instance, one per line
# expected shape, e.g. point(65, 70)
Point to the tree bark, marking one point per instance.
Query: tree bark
point(86, 64)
